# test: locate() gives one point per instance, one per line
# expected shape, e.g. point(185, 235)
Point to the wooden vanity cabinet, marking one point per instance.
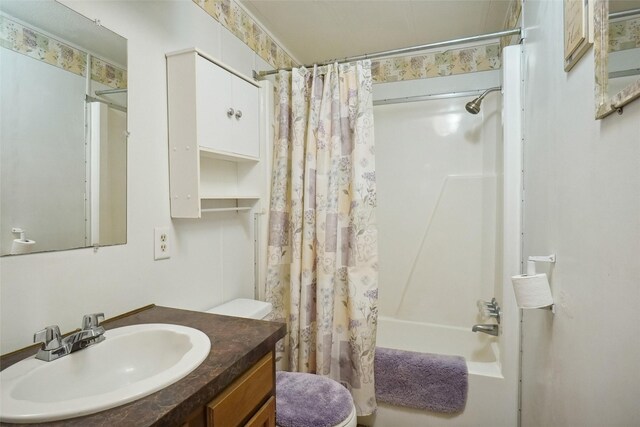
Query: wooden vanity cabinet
point(249, 401)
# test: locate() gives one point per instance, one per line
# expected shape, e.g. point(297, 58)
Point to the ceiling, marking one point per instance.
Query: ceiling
point(319, 30)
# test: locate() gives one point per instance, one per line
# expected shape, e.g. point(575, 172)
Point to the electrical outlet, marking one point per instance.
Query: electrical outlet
point(161, 243)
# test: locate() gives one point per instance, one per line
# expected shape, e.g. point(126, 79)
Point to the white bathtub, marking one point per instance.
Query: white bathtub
point(481, 352)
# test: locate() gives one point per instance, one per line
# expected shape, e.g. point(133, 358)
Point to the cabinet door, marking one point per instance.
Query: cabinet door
point(243, 398)
point(266, 416)
point(213, 100)
point(246, 132)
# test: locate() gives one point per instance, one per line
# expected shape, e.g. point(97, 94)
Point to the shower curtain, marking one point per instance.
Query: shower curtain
point(322, 272)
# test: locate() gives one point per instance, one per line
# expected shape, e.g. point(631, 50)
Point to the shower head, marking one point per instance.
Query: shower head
point(473, 107)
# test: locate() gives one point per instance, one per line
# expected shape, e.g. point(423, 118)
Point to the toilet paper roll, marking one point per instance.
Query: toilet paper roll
point(532, 291)
point(22, 246)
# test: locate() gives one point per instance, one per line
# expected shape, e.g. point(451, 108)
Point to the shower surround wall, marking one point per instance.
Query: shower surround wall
point(438, 168)
point(439, 172)
point(441, 202)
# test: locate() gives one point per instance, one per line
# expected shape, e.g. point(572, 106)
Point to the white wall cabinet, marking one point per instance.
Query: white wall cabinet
point(227, 111)
point(214, 136)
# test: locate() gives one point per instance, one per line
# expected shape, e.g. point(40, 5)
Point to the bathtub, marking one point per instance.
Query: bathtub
point(482, 354)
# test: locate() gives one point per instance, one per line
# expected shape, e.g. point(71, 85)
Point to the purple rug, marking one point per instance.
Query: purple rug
point(432, 382)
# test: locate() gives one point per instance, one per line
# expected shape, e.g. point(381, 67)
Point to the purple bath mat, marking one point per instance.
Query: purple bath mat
point(427, 381)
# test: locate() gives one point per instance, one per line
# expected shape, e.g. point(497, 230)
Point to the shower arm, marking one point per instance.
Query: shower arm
point(492, 89)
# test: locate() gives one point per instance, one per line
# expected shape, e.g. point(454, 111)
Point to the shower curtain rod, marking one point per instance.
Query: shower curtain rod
point(102, 101)
point(259, 75)
point(110, 91)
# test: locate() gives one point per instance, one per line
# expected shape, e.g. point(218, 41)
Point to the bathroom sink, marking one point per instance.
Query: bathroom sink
point(132, 362)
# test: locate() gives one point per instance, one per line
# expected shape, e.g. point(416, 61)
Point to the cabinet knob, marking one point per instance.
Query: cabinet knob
point(238, 114)
point(230, 112)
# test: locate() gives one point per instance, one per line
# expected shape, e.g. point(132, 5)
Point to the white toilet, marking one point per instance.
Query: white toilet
point(286, 416)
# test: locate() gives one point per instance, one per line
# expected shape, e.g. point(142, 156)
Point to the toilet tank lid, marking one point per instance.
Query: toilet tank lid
point(243, 307)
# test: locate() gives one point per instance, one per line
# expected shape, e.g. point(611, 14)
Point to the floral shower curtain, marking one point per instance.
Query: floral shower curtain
point(322, 276)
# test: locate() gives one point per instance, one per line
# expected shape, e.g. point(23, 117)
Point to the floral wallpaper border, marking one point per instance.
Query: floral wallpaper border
point(437, 64)
point(108, 74)
point(30, 42)
point(35, 45)
point(513, 16)
point(235, 19)
point(450, 62)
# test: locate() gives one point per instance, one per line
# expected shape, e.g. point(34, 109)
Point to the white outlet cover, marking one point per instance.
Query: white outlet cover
point(162, 243)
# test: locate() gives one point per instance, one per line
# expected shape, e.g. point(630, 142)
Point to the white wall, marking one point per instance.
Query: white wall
point(582, 201)
point(211, 259)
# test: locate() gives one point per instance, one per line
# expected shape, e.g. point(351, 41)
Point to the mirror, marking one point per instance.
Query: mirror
point(617, 54)
point(63, 137)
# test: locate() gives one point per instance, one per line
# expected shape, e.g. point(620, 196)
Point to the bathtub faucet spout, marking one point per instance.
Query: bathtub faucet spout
point(487, 329)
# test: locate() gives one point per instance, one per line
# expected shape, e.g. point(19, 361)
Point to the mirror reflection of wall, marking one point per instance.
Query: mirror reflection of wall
point(624, 44)
point(63, 132)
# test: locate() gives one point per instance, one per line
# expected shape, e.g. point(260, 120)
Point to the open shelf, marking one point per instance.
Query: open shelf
point(221, 155)
point(228, 197)
point(237, 209)
point(227, 203)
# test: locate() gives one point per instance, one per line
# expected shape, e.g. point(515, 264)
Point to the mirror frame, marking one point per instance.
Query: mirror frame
point(606, 105)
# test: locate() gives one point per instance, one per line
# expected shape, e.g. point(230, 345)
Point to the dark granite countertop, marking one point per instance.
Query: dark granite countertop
point(236, 344)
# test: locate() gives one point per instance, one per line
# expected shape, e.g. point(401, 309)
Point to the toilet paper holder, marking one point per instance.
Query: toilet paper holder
point(19, 232)
point(531, 262)
point(531, 271)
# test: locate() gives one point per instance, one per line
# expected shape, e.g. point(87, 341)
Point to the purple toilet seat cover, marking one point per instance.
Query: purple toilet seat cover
point(308, 400)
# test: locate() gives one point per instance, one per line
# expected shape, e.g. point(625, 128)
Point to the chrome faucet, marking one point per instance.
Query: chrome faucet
point(487, 329)
point(55, 347)
point(51, 340)
point(490, 309)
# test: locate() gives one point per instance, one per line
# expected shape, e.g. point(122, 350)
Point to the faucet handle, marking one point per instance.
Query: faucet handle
point(490, 309)
point(90, 321)
point(49, 337)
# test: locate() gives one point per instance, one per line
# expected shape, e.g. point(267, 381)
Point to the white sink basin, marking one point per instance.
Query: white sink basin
point(132, 362)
